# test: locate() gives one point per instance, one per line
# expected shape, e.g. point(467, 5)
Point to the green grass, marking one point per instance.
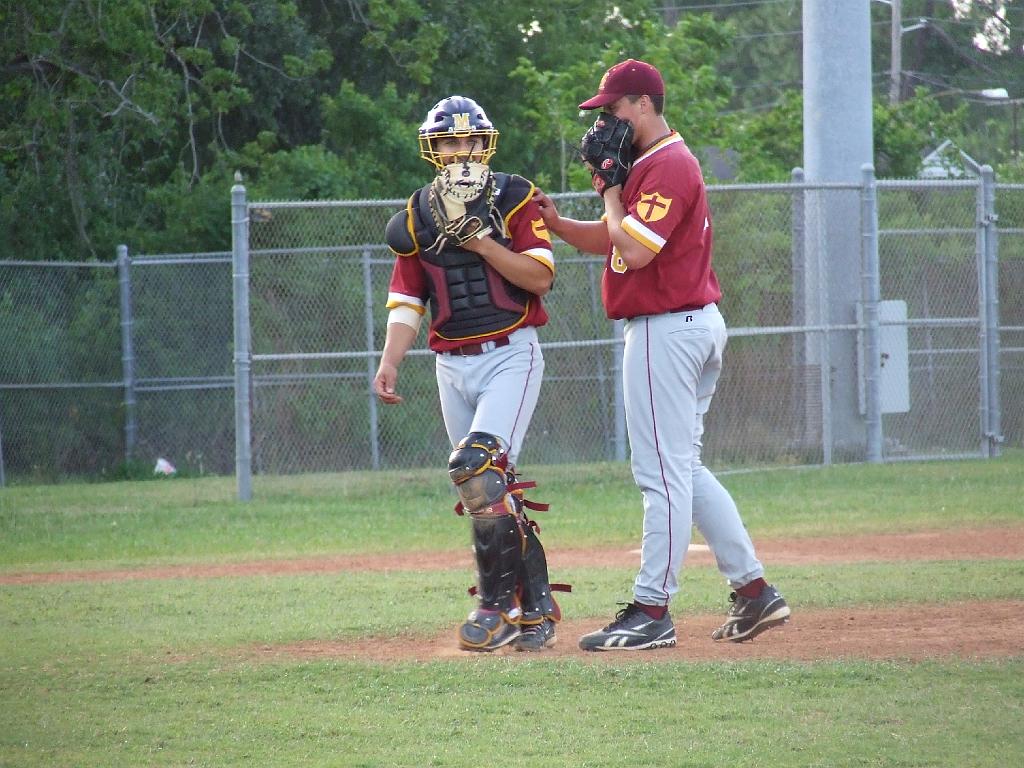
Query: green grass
point(147, 619)
point(567, 714)
point(196, 520)
point(160, 672)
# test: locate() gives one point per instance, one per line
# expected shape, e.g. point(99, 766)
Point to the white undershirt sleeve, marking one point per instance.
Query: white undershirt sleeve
point(405, 316)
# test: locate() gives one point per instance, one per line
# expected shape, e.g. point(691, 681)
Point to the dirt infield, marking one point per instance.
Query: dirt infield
point(990, 543)
point(960, 630)
point(974, 630)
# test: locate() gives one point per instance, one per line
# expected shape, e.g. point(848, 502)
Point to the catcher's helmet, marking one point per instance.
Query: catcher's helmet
point(457, 116)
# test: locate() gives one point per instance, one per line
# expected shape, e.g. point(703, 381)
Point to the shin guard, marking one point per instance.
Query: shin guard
point(498, 549)
point(534, 586)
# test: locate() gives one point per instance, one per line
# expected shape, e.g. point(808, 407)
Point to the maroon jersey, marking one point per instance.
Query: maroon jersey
point(667, 211)
point(411, 287)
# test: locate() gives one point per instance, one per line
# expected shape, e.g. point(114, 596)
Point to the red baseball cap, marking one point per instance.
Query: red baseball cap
point(629, 77)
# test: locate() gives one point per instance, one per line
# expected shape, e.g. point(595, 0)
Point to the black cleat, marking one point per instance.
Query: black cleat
point(749, 617)
point(487, 631)
point(535, 637)
point(632, 630)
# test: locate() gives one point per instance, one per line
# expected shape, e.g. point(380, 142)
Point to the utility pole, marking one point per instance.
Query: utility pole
point(896, 45)
point(838, 142)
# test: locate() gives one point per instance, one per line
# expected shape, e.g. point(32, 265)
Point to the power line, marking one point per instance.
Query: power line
point(769, 34)
point(772, 84)
point(959, 50)
point(752, 108)
point(716, 6)
point(937, 80)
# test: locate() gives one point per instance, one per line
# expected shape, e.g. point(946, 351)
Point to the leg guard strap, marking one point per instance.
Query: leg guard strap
point(534, 586)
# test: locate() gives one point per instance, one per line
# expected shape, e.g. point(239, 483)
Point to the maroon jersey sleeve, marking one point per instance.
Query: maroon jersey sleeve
point(529, 234)
point(408, 284)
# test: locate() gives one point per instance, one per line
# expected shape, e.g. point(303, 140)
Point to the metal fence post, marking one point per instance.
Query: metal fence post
point(370, 370)
point(127, 351)
point(798, 309)
point(797, 226)
point(621, 439)
point(993, 433)
point(597, 310)
point(243, 339)
point(823, 293)
point(984, 332)
point(870, 296)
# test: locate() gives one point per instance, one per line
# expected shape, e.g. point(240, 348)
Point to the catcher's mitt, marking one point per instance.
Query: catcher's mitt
point(607, 151)
point(461, 202)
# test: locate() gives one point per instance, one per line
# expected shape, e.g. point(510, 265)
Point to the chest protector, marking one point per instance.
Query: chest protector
point(468, 297)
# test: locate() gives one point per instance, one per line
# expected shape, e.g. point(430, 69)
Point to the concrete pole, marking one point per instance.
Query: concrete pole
point(896, 65)
point(838, 142)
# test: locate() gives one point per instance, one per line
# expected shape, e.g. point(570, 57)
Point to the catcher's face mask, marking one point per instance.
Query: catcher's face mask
point(471, 147)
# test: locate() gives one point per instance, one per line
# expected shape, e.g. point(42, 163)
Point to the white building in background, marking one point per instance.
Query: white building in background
point(948, 161)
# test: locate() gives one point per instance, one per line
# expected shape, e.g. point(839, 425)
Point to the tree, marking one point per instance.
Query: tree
point(128, 125)
point(770, 145)
point(686, 57)
point(102, 104)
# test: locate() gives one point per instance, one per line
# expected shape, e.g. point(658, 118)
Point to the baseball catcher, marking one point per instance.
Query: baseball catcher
point(607, 151)
point(471, 246)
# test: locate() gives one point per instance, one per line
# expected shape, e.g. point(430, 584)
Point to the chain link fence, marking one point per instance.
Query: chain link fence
point(312, 404)
point(61, 390)
point(929, 260)
point(1010, 204)
point(106, 365)
point(103, 365)
point(179, 364)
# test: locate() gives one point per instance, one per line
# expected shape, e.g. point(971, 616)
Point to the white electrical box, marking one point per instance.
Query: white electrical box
point(894, 349)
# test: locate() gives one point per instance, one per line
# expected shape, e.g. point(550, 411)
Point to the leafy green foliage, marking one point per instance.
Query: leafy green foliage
point(903, 130)
point(102, 107)
point(128, 126)
point(770, 144)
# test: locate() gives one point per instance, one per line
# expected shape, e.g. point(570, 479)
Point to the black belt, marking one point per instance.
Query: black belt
point(694, 308)
point(469, 350)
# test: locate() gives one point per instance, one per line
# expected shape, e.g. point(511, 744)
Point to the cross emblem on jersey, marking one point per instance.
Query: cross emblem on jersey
point(652, 207)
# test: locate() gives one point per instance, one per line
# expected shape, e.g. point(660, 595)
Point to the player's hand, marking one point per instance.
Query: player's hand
point(548, 210)
point(475, 244)
point(384, 384)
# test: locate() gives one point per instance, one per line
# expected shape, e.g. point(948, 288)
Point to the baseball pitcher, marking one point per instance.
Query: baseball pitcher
point(657, 235)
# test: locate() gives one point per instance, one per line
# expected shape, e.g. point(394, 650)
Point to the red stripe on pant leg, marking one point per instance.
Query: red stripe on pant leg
point(522, 400)
point(657, 448)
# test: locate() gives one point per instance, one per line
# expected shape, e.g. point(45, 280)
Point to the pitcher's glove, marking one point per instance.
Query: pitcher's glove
point(461, 209)
point(607, 151)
